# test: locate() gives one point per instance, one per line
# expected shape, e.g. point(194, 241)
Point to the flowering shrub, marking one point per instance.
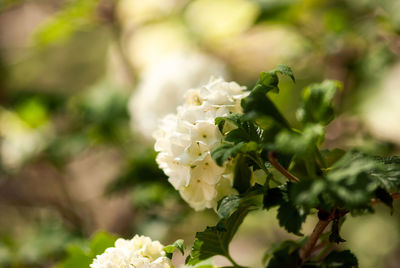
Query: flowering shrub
point(233, 150)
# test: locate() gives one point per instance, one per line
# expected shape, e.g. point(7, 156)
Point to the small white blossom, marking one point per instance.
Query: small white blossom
point(185, 140)
point(163, 87)
point(139, 252)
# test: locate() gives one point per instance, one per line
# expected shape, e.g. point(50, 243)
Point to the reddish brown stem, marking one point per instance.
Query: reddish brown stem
point(322, 224)
point(312, 240)
point(275, 164)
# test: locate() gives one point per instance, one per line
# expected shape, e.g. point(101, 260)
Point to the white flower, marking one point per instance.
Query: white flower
point(185, 140)
point(139, 252)
point(382, 109)
point(162, 88)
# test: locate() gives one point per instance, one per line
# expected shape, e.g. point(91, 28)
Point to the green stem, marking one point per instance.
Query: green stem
point(233, 261)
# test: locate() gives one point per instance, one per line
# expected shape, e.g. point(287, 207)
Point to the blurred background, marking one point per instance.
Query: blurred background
point(83, 84)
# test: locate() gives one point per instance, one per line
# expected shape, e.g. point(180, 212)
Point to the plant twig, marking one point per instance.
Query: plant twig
point(322, 224)
point(312, 240)
point(280, 168)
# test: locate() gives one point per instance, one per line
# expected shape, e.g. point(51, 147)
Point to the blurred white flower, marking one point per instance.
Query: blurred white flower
point(216, 20)
point(382, 111)
point(139, 252)
point(185, 141)
point(162, 87)
point(18, 141)
point(150, 44)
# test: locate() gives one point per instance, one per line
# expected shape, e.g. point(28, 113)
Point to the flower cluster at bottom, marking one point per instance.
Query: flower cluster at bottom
point(185, 140)
point(139, 252)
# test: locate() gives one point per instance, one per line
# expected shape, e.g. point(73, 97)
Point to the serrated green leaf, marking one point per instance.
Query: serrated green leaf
point(178, 244)
point(290, 218)
point(250, 199)
point(301, 144)
point(388, 174)
point(228, 151)
point(215, 240)
point(306, 193)
point(272, 198)
point(245, 130)
point(317, 103)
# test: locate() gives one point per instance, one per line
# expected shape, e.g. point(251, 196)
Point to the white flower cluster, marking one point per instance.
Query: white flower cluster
point(162, 88)
point(139, 252)
point(184, 142)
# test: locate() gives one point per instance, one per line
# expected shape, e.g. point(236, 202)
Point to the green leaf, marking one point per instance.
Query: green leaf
point(258, 105)
point(245, 131)
point(285, 70)
point(349, 183)
point(235, 119)
point(178, 244)
point(250, 199)
point(100, 242)
point(272, 198)
point(301, 144)
point(285, 254)
point(227, 205)
point(384, 196)
point(290, 218)
point(269, 81)
point(242, 174)
point(317, 103)
point(388, 174)
point(340, 259)
point(226, 151)
point(215, 240)
point(306, 193)
point(81, 256)
point(335, 236)
point(76, 258)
